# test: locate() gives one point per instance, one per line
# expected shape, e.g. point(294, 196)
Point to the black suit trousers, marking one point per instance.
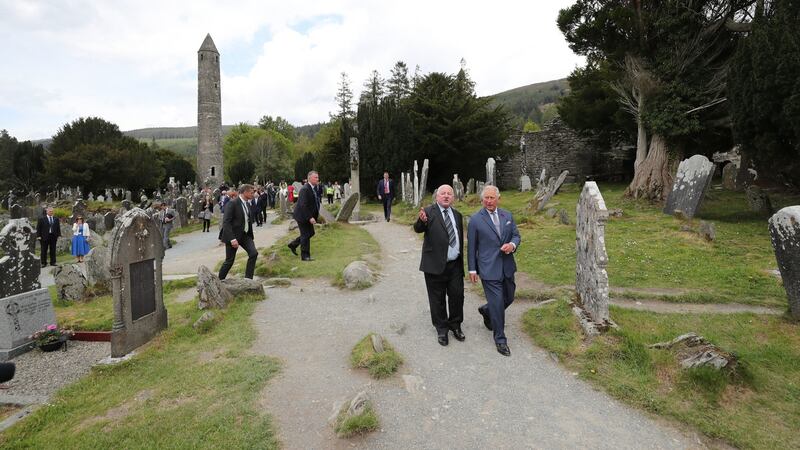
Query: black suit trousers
point(387, 206)
point(446, 291)
point(49, 246)
point(247, 245)
point(304, 240)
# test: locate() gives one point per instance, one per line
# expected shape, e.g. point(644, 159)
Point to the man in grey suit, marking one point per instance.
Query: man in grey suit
point(492, 239)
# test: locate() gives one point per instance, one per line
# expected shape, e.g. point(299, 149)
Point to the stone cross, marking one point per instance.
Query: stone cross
point(784, 230)
point(591, 278)
point(691, 183)
point(355, 185)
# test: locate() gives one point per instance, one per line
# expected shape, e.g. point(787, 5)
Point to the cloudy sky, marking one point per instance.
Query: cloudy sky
point(134, 63)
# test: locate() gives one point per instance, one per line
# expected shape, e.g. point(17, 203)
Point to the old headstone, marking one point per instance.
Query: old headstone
point(126, 205)
point(326, 215)
point(78, 209)
point(70, 282)
point(591, 278)
point(546, 191)
point(21, 315)
point(471, 186)
point(691, 183)
point(91, 221)
point(347, 208)
point(563, 217)
point(100, 198)
point(491, 175)
point(729, 177)
point(423, 179)
point(458, 188)
point(784, 230)
point(182, 208)
point(136, 256)
point(758, 200)
point(17, 211)
point(524, 183)
point(282, 201)
point(211, 293)
point(416, 184)
point(97, 268)
point(355, 186)
point(479, 188)
point(707, 230)
point(108, 219)
point(238, 286)
point(128, 196)
point(19, 266)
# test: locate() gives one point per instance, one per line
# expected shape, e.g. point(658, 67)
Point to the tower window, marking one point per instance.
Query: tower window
point(212, 171)
point(217, 58)
point(201, 56)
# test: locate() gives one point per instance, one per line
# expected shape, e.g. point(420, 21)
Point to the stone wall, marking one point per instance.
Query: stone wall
point(556, 148)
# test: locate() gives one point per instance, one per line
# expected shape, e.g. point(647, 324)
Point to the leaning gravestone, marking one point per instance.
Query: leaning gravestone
point(784, 229)
point(347, 208)
point(21, 315)
point(546, 191)
point(17, 211)
point(136, 278)
point(182, 207)
point(691, 183)
point(591, 278)
point(108, 219)
point(19, 266)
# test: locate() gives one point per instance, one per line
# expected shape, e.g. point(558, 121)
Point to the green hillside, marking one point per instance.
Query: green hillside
point(534, 102)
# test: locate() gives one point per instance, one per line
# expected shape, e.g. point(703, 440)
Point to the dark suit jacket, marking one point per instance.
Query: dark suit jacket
point(381, 187)
point(484, 255)
point(307, 205)
point(436, 241)
point(43, 230)
point(233, 221)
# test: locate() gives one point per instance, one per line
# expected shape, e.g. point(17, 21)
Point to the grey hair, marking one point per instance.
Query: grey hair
point(496, 190)
point(311, 173)
point(246, 187)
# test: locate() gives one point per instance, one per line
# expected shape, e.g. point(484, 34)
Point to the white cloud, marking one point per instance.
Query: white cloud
point(134, 62)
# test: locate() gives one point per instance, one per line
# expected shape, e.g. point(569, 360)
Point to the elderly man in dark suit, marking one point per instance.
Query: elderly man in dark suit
point(386, 194)
point(48, 229)
point(237, 231)
point(443, 263)
point(305, 213)
point(493, 238)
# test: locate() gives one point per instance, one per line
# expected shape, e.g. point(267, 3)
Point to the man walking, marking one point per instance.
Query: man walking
point(167, 221)
point(237, 231)
point(443, 263)
point(48, 230)
point(305, 213)
point(386, 194)
point(493, 238)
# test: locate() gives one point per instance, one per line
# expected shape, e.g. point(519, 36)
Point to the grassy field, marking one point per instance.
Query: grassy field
point(183, 390)
point(755, 408)
point(646, 248)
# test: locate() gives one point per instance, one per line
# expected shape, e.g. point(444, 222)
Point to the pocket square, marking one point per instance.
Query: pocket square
point(508, 223)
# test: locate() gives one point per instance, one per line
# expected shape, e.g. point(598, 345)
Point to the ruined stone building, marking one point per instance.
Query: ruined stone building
point(558, 147)
point(209, 115)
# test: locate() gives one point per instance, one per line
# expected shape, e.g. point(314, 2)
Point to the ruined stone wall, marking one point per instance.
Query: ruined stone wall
point(556, 148)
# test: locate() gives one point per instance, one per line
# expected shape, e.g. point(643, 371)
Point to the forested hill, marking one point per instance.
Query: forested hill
point(535, 102)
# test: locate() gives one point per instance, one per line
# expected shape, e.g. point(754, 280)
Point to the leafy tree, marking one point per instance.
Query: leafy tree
point(531, 127)
point(278, 124)
point(303, 165)
point(28, 164)
point(398, 86)
point(333, 159)
point(268, 151)
point(373, 89)
point(8, 146)
point(344, 99)
point(241, 171)
point(174, 166)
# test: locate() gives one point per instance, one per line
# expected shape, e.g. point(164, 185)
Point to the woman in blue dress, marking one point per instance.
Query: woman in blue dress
point(80, 236)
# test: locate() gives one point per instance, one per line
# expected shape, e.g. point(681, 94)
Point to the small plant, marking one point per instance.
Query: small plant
point(51, 333)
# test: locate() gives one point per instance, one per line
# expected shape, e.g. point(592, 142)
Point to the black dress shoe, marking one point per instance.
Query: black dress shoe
point(487, 321)
point(503, 349)
point(292, 248)
point(308, 258)
point(459, 335)
point(443, 339)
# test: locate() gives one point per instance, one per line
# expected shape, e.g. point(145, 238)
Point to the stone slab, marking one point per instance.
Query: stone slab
point(784, 230)
point(591, 278)
point(21, 315)
point(690, 186)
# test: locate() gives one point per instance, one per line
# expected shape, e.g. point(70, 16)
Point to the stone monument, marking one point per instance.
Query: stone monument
point(209, 115)
point(591, 278)
point(784, 230)
point(691, 183)
point(348, 208)
point(491, 175)
point(355, 187)
point(21, 315)
point(416, 184)
point(136, 256)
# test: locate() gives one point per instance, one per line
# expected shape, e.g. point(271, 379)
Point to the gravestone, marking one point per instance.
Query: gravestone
point(126, 205)
point(137, 253)
point(491, 175)
point(97, 269)
point(70, 282)
point(21, 315)
point(479, 188)
point(591, 278)
point(729, 177)
point(524, 183)
point(355, 184)
point(78, 209)
point(458, 188)
point(99, 224)
point(326, 215)
point(758, 200)
point(423, 180)
point(346, 191)
point(91, 222)
point(347, 208)
point(409, 198)
point(471, 186)
point(19, 265)
point(17, 211)
point(90, 197)
point(128, 196)
point(108, 219)
point(546, 191)
point(784, 230)
point(416, 184)
point(691, 183)
point(282, 203)
point(100, 198)
point(182, 207)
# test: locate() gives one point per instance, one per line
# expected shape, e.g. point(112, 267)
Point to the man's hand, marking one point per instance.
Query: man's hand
point(235, 243)
point(507, 248)
point(473, 277)
point(422, 216)
point(312, 221)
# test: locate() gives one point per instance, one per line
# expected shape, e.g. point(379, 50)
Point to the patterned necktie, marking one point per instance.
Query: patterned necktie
point(246, 217)
point(449, 225)
point(496, 221)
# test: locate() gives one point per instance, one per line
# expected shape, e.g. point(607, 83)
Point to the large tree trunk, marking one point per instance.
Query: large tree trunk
point(641, 144)
point(652, 179)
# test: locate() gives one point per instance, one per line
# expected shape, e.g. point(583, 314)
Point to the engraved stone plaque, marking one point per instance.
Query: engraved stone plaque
point(143, 296)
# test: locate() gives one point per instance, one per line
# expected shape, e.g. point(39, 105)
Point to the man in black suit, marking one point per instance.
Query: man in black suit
point(305, 213)
point(48, 230)
point(443, 263)
point(237, 231)
point(386, 194)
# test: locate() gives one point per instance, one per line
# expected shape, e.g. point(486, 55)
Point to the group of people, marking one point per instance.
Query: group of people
point(48, 230)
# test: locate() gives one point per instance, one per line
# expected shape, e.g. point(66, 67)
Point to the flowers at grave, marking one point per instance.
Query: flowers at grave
point(51, 333)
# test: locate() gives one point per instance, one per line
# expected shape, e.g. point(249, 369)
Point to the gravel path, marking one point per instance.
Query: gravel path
point(464, 395)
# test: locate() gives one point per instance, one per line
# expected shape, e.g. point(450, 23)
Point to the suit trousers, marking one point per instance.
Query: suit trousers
point(387, 206)
point(247, 245)
point(304, 240)
point(49, 246)
point(449, 284)
point(499, 296)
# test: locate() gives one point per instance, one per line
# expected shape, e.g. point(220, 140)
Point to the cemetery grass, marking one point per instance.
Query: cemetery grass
point(755, 408)
point(333, 247)
point(379, 365)
point(193, 226)
point(183, 390)
point(646, 248)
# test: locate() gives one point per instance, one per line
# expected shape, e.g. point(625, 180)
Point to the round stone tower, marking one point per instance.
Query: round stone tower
point(209, 116)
